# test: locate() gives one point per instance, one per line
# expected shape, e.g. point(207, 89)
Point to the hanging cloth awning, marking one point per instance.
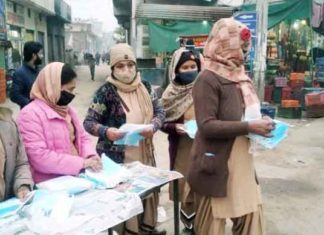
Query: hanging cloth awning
point(285, 10)
point(164, 38)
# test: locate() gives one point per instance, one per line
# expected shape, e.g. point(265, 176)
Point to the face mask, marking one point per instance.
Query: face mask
point(38, 61)
point(66, 98)
point(187, 77)
point(126, 76)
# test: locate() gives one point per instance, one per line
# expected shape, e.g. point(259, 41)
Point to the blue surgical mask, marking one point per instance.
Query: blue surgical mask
point(186, 78)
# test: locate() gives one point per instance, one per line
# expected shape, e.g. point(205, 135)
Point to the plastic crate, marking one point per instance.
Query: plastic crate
point(315, 111)
point(299, 95)
point(281, 81)
point(297, 76)
point(277, 94)
point(291, 113)
point(290, 104)
point(268, 92)
point(286, 93)
point(315, 98)
point(296, 84)
point(269, 111)
point(306, 91)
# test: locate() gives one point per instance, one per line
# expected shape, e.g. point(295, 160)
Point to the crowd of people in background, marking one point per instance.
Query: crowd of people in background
point(219, 177)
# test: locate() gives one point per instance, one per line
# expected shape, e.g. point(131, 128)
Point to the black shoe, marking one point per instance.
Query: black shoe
point(154, 232)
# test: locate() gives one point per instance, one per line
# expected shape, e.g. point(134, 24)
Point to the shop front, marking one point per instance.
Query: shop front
point(294, 62)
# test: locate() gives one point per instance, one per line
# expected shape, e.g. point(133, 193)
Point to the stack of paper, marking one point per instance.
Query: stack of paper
point(111, 174)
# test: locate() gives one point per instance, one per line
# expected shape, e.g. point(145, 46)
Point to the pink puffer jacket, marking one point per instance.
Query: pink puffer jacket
point(47, 141)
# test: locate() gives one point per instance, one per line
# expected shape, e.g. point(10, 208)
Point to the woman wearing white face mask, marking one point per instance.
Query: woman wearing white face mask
point(178, 104)
point(124, 98)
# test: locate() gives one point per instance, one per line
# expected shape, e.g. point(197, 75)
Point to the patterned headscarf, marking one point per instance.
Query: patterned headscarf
point(176, 99)
point(224, 54)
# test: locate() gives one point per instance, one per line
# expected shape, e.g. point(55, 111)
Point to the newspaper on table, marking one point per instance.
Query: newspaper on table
point(89, 213)
point(146, 178)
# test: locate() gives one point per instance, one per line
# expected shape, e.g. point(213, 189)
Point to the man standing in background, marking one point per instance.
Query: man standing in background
point(25, 75)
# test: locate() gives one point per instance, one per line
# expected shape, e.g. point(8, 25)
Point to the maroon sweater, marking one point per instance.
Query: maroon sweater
point(173, 137)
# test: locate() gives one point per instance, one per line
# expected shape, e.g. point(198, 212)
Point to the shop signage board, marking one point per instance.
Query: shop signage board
point(250, 20)
point(199, 40)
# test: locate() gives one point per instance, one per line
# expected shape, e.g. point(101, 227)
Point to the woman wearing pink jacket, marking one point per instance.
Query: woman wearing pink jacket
point(55, 141)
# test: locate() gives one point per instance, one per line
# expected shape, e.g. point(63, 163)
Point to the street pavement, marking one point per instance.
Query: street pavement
point(291, 176)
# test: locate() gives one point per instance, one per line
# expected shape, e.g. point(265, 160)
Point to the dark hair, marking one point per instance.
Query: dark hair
point(67, 75)
point(31, 48)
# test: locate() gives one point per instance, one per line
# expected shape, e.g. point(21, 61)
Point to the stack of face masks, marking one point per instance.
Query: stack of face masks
point(191, 128)
point(278, 134)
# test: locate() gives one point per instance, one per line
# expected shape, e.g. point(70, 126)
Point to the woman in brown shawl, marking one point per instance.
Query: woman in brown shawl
point(178, 103)
point(125, 98)
point(227, 109)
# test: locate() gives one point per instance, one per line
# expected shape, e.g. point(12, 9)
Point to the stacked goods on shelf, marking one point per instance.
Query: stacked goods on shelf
point(281, 91)
point(272, 70)
point(314, 104)
point(272, 51)
point(271, 74)
point(320, 70)
point(3, 86)
point(290, 106)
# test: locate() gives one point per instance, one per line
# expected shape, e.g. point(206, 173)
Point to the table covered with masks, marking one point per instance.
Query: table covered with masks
point(87, 204)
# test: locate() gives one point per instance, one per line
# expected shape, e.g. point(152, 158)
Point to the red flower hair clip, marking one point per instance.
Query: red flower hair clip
point(245, 34)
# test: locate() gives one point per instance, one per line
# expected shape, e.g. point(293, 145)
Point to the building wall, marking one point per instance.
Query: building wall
point(25, 23)
point(55, 38)
point(80, 37)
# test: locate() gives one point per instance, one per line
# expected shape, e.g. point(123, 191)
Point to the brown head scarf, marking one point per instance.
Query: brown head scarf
point(224, 55)
point(47, 87)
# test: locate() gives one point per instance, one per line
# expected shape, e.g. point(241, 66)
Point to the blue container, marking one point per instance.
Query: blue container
point(268, 111)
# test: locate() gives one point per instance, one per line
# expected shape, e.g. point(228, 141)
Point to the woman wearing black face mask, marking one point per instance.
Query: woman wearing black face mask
point(55, 141)
point(178, 104)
